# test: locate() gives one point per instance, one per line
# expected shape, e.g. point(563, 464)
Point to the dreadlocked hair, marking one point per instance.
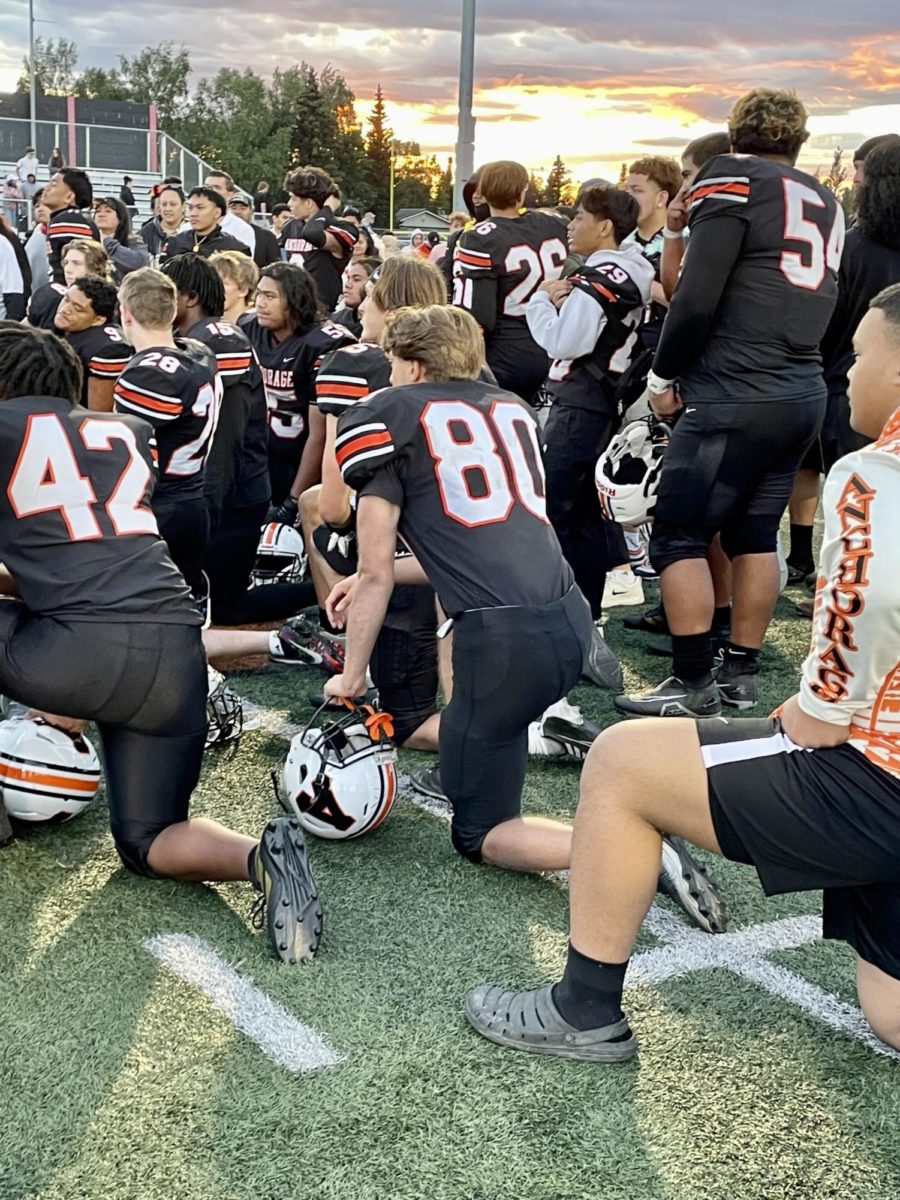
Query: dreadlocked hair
point(768, 122)
point(192, 273)
point(35, 362)
point(878, 207)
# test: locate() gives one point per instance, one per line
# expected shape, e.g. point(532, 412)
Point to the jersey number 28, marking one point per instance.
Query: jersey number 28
point(484, 461)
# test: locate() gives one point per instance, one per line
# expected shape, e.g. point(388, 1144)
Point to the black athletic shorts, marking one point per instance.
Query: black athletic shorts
point(143, 684)
point(339, 551)
point(729, 469)
point(810, 819)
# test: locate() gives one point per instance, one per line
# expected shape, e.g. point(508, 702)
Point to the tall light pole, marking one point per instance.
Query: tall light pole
point(465, 144)
point(33, 86)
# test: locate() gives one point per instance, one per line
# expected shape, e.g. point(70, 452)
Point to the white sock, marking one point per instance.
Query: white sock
point(274, 643)
point(538, 744)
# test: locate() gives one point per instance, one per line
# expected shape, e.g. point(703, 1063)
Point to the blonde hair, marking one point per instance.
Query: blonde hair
point(768, 122)
point(446, 341)
point(150, 297)
point(239, 268)
point(96, 260)
point(411, 282)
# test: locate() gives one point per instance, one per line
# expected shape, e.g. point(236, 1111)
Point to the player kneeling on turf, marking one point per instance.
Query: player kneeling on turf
point(810, 798)
point(103, 602)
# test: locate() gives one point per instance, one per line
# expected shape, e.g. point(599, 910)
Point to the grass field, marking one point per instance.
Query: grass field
point(119, 1080)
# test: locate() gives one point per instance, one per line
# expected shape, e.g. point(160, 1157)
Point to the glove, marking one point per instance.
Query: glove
point(284, 513)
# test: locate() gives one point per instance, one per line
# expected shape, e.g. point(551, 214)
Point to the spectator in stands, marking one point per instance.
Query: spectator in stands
point(862, 153)
point(126, 195)
point(262, 201)
point(356, 277)
point(168, 220)
point(206, 208)
point(82, 256)
point(28, 188)
point(15, 275)
point(67, 194)
point(11, 195)
point(36, 243)
point(240, 275)
point(232, 224)
point(126, 251)
point(27, 164)
point(57, 160)
point(365, 247)
point(417, 244)
point(266, 249)
point(281, 214)
point(389, 246)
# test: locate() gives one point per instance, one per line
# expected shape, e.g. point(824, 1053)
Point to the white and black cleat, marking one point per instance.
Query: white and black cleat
point(601, 666)
point(686, 881)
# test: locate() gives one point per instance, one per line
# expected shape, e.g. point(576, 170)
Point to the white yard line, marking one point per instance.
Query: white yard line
point(281, 1037)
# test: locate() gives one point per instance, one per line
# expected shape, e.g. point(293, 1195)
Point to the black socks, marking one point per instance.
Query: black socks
point(589, 995)
point(741, 658)
point(692, 658)
point(801, 555)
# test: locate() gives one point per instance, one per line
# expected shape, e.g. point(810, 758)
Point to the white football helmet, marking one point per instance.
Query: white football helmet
point(340, 779)
point(628, 471)
point(45, 775)
point(224, 711)
point(280, 555)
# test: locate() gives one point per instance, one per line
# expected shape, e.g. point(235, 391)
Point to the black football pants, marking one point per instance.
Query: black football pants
point(144, 684)
point(509, 664)
point(574, 438)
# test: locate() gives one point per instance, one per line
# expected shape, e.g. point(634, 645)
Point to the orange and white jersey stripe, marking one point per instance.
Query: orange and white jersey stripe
point(852, 672)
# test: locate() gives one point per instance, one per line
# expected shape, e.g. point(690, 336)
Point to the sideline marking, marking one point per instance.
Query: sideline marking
point(281, 1037)
point(684, 949)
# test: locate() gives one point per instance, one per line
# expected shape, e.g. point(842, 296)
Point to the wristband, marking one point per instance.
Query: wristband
point(672, 234)
point(656, 386)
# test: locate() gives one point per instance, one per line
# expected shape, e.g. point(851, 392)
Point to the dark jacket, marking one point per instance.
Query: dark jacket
point(185, 243)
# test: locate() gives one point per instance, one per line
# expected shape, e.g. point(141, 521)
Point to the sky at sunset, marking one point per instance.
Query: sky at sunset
point(597, 82)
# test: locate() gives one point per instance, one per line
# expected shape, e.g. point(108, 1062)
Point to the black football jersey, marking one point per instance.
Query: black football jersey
point(237, 470)
point(289, 372)
point(77, 530)
point(326, 269)
point(103, 351)
point(349, 375)
point(462, 461)
point(764, 342)
point(178, 390)
point(64, 225)
point(43, 305)
point(619, 287)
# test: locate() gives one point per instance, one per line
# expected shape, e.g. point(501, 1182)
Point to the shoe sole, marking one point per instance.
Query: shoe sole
point(293, 912)
point(429, 792)
point(672, 708)
point(603, 1052)
point(686, 882)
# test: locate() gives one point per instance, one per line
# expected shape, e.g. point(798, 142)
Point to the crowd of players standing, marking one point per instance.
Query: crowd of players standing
point(302, 381)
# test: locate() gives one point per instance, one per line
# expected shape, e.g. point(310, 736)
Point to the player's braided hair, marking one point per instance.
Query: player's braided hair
point(888, 301)
point(878, 211)
point(103, 296)
point(300, 296)
point(768, 122)
point(35, 362)
point(192, 273)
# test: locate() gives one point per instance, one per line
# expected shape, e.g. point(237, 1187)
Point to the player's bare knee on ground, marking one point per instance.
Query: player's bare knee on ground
point(309, 508)
point(879, 998)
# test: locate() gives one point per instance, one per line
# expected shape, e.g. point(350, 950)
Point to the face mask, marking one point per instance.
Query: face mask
point(482, 211)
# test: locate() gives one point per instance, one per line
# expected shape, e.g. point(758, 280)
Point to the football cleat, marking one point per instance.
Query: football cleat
point(288, 903)
point(427, 782)
point(737, 686)
point(602, 667)
point(653, 620)
point(672, 698)
point(562, 732)
point(47, 776)
point(303, 644)
point(339, 777)
point(686, 881)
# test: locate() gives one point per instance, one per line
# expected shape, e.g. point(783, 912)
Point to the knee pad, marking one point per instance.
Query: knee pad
point(671, 543)
point(467, 843)
point(752, 534)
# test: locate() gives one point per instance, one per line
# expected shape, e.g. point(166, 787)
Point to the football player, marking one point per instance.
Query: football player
point(741, 342)
point(315, 237)
point(290, 336)
point(236, 484)
point(66, 195)
point(653, 182)
point(80, 257)
point(810, 798)
point(176, 387)
point(84, 318)
point(590, 337)
point(103, 601)
point(498, 265)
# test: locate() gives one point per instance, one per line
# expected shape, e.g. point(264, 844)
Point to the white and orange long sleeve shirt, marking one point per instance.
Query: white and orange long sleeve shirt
point(852, 673)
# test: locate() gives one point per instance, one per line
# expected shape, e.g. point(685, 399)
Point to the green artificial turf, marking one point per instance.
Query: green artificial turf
point(118, 1081)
